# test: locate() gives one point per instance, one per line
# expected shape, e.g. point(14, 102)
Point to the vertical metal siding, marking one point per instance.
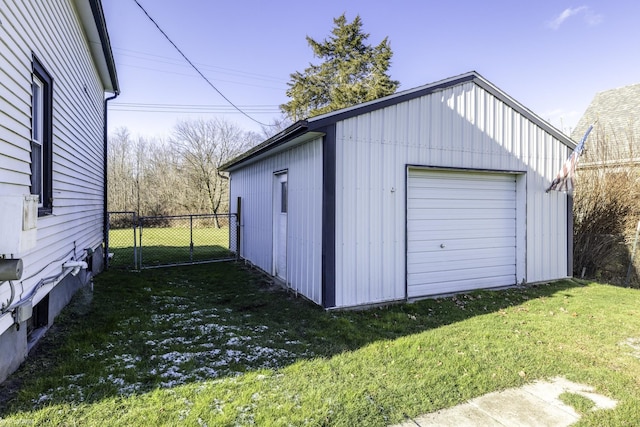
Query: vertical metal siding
point(52, 31)
point(254, 184)
point(461, 127)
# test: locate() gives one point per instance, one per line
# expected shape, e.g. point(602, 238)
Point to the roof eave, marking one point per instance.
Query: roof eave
point(280, 138)
point(95, 28)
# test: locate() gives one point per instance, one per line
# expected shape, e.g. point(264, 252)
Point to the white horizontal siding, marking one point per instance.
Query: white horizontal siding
point(254, 184)
point(463, 127)
point(52, 31)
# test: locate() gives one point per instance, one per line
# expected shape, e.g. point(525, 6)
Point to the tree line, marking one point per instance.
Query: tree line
point(177, 175)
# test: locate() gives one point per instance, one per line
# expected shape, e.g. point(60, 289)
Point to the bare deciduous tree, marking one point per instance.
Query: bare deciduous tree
point(156, 177)
point(203, 146)
point(276, 126)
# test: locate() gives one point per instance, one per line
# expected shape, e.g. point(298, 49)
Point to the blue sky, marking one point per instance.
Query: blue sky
point(552, 56)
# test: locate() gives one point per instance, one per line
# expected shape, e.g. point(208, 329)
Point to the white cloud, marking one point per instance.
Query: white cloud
point(588, 15)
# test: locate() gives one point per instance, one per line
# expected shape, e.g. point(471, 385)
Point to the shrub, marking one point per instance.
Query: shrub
point(606, 211)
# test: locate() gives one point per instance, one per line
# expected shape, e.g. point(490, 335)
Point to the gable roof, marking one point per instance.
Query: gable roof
point(315, 126)
point(95, 29)
point(617, 112)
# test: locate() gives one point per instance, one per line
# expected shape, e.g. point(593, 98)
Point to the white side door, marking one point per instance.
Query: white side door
point(280, 208)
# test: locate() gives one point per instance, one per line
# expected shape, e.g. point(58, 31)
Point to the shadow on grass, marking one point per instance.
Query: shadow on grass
point(162, 255)
point(166, 327)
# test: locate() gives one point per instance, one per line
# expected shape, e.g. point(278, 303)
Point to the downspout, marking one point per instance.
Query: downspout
point(105, 223)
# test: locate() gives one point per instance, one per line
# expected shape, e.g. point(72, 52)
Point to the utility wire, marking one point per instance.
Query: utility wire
point(168, 60)
point(196, 68)
point(121, 64)
point(192, 108)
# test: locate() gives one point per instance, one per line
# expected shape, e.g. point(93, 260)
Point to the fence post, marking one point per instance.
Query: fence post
point(140, 227)
point(191, 238)
point(633, 254)
point(238, 216)
point(134, 221)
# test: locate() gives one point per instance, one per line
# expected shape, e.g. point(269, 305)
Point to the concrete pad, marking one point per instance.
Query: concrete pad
point(535, 404)
point(517, 407)
point(462, 415)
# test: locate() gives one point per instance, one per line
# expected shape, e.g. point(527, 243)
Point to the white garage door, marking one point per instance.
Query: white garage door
point(461, 231)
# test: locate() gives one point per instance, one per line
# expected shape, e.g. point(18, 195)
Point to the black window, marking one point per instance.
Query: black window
point(283, 197)
point(41, 137)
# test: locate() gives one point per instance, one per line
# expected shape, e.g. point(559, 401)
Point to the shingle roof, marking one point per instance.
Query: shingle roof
point(616, 134)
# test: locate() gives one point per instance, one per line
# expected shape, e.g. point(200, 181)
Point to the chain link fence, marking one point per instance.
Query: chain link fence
point(157, 241)
point(122, 240)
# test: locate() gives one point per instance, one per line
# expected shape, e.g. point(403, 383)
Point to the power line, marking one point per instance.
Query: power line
point(196, 68)
point(223, 70)
point(192, 75)
point(189, 108)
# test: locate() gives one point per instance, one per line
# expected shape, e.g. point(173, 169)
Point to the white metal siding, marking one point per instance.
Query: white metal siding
point(52, 31)
point(254, 184)
point(463, 127)
point(461, 231)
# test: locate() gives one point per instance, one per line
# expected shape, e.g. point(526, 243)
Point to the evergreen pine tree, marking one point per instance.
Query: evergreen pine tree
point(352, 72)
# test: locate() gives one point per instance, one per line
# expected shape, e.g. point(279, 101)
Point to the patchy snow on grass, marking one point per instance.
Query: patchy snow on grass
point(174, 345)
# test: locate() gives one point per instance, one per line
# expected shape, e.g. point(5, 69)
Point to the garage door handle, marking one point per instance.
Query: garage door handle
point(442, 245)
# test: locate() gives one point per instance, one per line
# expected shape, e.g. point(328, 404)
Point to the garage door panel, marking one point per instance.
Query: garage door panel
point(419, 290)
point(460, 224)
point(461, 274)
point(437, 257)
point(462, 203)
point(457, 264)
point(456, 213)
point(455, 194)
point(461, 231)
point(480, 181)
point(444, 234)
point(478, 244)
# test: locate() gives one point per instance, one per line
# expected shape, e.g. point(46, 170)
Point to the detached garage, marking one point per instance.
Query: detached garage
point(433, 190)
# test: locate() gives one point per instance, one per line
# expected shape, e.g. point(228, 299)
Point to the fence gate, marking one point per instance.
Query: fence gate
point(122, 240)
point(160, 241)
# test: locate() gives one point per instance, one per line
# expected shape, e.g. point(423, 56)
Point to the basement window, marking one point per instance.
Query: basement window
point(39, 320)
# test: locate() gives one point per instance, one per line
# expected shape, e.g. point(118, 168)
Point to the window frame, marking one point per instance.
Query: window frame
point(42, 135)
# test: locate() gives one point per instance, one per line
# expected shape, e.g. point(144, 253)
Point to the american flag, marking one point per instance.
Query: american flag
point(564, 179)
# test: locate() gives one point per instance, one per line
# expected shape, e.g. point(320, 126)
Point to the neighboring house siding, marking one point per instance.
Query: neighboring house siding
point(462, 127)
point(254, 184)
point(52, 31)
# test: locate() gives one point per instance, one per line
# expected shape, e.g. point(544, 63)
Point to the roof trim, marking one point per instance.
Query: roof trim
point(322, 121)
point(95, 28)
point(290, 133)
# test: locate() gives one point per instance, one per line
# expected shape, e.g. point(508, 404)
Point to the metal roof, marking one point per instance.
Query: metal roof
point(318, 124)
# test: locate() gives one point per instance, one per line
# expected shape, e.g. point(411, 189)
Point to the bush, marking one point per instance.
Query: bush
point(606, 212)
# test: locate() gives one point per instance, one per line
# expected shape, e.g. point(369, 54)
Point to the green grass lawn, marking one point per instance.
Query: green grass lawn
point(168, 245)
point(215, 345)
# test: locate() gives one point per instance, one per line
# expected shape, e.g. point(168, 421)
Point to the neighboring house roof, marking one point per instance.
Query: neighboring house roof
point(305, 129)
point(617, 130)
point(95, 28)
